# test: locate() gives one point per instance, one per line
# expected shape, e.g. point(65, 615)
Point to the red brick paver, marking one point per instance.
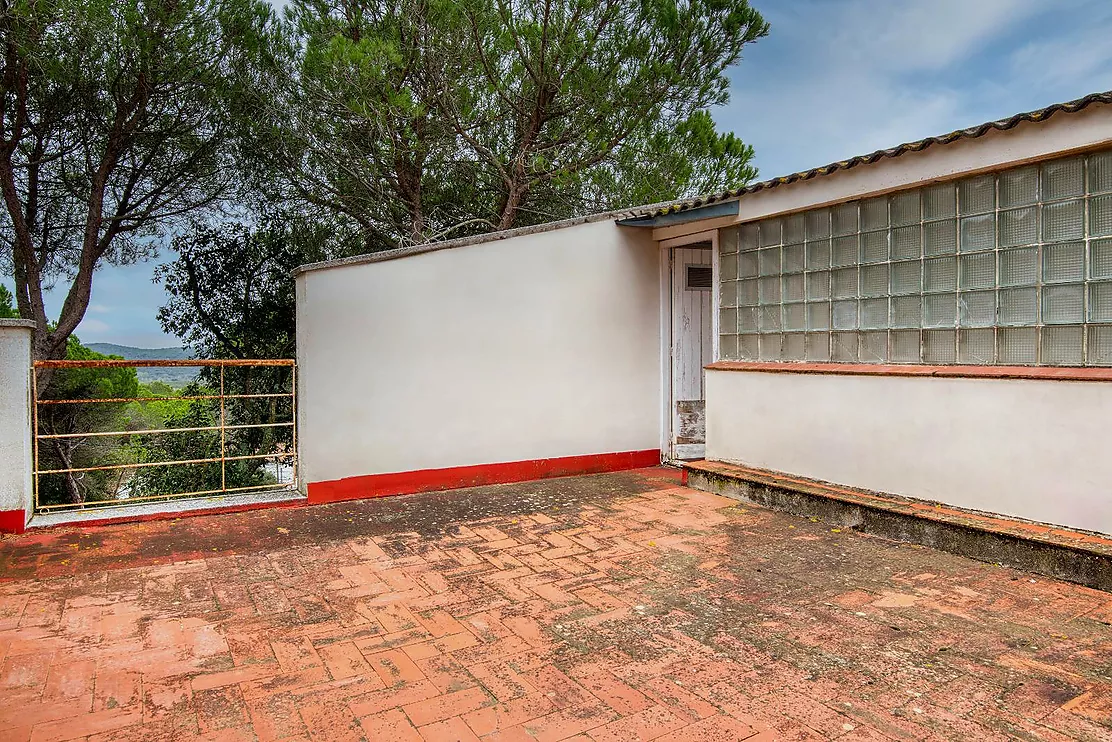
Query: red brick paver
point(614, 607)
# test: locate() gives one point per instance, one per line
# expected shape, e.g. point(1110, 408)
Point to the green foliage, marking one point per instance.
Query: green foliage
point(83, 451)
point(117, 117)
point(7, 310)
point(421, 119)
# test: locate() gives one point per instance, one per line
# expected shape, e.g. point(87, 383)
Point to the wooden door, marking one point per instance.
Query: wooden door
point(692, 348)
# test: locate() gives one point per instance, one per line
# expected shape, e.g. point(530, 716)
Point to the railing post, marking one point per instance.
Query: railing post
point(223, 449)
point(16, 403)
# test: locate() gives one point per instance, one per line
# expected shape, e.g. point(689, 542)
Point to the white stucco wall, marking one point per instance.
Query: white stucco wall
point(1035, 449)
point(15, 419)
point(538, 346)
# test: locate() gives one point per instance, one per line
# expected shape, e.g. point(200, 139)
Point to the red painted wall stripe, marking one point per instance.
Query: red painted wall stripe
point(12, 521)
point(430, 480)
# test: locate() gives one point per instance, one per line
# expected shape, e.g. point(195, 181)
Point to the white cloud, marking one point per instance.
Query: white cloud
point(1082, 61)
point(838, 79)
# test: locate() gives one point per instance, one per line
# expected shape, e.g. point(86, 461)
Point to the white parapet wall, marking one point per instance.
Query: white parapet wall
point(16, 494)
point(1031, 448)
point(540, 346)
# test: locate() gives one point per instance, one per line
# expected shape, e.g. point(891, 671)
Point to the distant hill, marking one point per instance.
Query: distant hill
point(174, 376)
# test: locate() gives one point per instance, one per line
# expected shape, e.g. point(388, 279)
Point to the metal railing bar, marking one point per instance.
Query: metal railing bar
point(164, 399)
point(94, 504)
point(282, 460)
point(119, 363)
point(145, 431)
point(145, 464)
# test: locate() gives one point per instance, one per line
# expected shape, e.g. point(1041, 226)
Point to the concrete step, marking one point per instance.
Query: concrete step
point(1076, 556)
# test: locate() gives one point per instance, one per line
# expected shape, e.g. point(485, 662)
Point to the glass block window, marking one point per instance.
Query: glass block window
point(1008, 268)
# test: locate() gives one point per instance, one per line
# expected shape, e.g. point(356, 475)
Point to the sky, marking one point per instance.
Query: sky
point(834, 79)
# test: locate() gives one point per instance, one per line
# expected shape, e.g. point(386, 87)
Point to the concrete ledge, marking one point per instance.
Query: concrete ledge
point(105, 515)
point(1075, 556)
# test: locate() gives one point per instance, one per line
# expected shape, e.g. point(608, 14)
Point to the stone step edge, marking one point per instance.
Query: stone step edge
point(1076, 556)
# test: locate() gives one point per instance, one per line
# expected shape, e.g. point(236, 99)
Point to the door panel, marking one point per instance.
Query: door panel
point(692, 348)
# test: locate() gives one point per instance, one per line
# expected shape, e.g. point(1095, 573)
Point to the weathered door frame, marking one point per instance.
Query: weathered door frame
point(666, 261)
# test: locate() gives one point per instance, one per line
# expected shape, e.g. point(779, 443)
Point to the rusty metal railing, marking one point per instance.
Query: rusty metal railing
point(221, 395)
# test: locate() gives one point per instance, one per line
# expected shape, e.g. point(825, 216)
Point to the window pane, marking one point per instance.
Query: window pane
point(793, 229)
point(818, 224)
point(747, 293)
point(1063, 262)
point(747, 319)
point(1100, 346)
point(1063, 221)
point(727, 347)
point(1019, 187)
point(845, 315)
point(844, 283)
point(795, 316)
point(905, 208)
point(1019, 306)
point(1100, 172)
point(818, 254)
point(874, 314)
point(727, 320)
point(1100, 216)
point(874, 247)
point(747, 264)
point(907, 278)
point(1018, 345)
point(747, 237)
point(940, 201)
point(940, 238)
point(906, 242)
point(793, 259)
point(793, 348)
point(940, 310)
point(1061, 345)
point(977, 308)
point(978, 271)
point(939, 346)
point(940, 274)
point(977, 195)
point(1019, 267)
point(978, 233)
point(1100, 302)
point(1062, 179)
point(1017, 227)
point(818, 346)
point(818, 316)
point(1100, 259)
point(748, 347)
point(1063, 304)
point(905, 346)
point(770, 232)
point(792, 289)
point(845, 347)
point(874, 280)
point(818, 285)
point(977, 346)
point(771, 346)
point(906, 311)
point(874, 213)
point(843, 219)
point(873, 347)
point(845, 251)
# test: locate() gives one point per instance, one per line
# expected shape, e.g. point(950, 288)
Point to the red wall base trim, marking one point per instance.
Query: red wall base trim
point(430, 480)
point(13, 521)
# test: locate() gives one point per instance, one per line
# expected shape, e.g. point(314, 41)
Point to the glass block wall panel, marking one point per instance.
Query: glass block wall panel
point(1012, 268)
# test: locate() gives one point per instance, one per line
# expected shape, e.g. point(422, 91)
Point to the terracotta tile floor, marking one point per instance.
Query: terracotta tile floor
point(614, 607)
